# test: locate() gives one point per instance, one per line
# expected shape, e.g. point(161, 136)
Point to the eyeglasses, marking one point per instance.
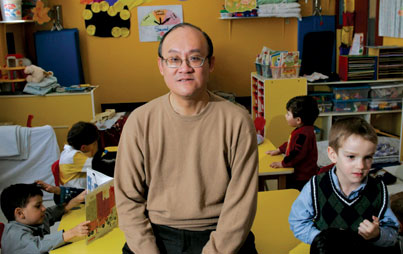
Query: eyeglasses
point(192, 61)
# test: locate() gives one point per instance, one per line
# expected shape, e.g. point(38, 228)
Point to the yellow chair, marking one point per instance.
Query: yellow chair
point(271, 228)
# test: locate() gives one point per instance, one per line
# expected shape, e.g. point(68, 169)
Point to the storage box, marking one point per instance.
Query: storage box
point(285, 72)
point(375, 105)
point(325, 107)
point(386, 92)
point(351, 93)
point(350, 105)
point(357, 67)
point(322, 97)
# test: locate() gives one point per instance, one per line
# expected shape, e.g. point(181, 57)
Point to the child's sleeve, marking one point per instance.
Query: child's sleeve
point(389, 229)
point(301, 216)
point(298, 149)
point(283, 147)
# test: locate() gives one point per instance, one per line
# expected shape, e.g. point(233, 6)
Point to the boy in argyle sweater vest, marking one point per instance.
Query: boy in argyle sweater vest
point(346, 197)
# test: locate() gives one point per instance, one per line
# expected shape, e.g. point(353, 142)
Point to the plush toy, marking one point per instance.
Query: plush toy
point(36, 74)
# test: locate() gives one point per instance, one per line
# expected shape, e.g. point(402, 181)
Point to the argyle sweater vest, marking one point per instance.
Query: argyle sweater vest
point(333, 210)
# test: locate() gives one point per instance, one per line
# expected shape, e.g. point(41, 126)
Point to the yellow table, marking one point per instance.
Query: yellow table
point(266, 172)
point(271, 228)
point(112, 242)
point(301, 248)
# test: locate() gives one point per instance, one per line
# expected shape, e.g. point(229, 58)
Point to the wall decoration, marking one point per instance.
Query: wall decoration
point(109, 18)
point(40, 13)
point(240, 5)
point(104, 20)
point(155, 21)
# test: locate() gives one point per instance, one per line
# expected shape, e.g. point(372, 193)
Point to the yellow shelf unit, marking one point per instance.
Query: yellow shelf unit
point(269, 99)
point(60, 110)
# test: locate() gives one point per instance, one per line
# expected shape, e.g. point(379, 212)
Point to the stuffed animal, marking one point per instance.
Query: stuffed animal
point(36, 74)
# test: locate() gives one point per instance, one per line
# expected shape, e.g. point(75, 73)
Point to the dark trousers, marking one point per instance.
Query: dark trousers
point(176, 241)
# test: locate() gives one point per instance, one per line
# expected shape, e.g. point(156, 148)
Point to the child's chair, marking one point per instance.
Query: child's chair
point(1, 231)
point(56, 172)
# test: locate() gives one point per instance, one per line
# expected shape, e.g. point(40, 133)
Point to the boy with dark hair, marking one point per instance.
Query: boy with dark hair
point(77, 156)
point(28, 230)
point(300, 151)
point(346, 197)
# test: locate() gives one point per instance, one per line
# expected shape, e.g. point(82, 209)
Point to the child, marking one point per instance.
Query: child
point(300, 151)
point(28, 230)
point(345, 197)
point(76, 157)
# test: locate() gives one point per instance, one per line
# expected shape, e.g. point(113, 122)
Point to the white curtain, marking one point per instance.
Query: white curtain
point(391, 18)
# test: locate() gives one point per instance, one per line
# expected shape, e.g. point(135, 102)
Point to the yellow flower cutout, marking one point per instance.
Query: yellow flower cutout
point(40, 13)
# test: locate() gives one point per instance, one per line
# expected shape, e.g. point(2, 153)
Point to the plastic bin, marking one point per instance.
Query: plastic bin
point(350, 105)
point(325, 107)
point(376, 105)
point(258, 68)
point(386, 92)
point(322, 97)
point(266, 71)
point(285, 72)
point(351, 93)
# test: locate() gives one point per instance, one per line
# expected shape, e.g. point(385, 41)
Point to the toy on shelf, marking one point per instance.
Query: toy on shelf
point(12, 77)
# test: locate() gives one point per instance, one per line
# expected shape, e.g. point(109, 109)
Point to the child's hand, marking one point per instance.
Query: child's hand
point(276, 164)
point(75, 201)
point(81, 230)
point(47, 187)
point(369, 230)
point(81, 197)
point(274, 152)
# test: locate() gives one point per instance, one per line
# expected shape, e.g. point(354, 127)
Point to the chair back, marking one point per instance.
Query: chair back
point(1, 231)
point(56, 172)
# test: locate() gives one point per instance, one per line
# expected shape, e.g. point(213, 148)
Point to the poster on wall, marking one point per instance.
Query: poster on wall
point(155, 21)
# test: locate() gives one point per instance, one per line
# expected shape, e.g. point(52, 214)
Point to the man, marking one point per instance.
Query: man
point(186, 170)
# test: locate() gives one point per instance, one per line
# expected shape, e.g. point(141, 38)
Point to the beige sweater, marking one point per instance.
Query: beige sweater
point(188, 172)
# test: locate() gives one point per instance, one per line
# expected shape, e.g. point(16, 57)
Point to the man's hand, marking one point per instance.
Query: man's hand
point(274, 152)
point(276, 164)
point(81, 230)
point(369, 230)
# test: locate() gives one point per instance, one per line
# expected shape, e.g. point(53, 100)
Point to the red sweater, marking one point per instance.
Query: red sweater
point(301, 153)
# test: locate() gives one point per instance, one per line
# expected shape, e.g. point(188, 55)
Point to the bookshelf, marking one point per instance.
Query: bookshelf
point(390, 61)
point(357, 68)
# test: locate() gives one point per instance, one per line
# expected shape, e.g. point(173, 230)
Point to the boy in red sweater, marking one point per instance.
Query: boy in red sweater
point(300, 151)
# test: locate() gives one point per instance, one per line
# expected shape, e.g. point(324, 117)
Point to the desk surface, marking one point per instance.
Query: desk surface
point(112, 242)
point(271, 229)
point(266, 159)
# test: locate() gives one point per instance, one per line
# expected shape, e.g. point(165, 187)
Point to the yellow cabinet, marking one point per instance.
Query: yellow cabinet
point(60, 110)
point(269, 99)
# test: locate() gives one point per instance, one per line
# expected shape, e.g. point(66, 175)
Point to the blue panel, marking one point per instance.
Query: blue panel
point(59, 51)
point(312, 24)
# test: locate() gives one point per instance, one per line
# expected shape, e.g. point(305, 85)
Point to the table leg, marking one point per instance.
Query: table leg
point(262, 183)
point(281, 182)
